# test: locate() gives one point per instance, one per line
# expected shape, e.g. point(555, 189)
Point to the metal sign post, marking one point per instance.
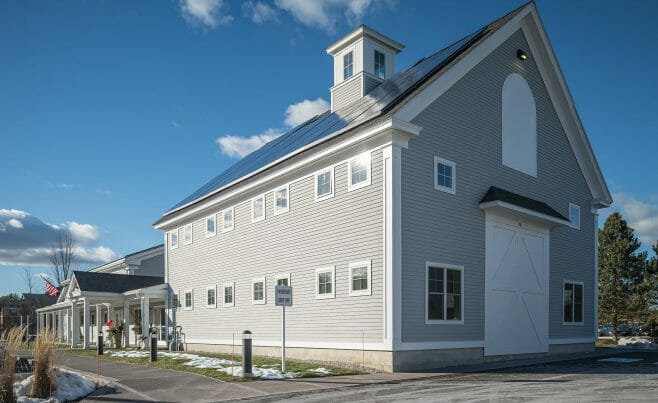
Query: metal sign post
point(283, 298)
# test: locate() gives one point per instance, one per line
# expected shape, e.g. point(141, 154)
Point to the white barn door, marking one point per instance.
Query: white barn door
point(516, 288)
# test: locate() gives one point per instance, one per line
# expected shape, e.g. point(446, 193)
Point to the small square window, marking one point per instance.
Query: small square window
point(358, 171)
point(572, 296)
point(188, 300)
point(360, 278)
point(324, 283)
point(211, 297)
point(574, 216)
point(444, 294)
point(211, 229)
point(173, 239)
point(324, 184)
point(445, 175)
point(258, 291)
point(380, 64)
point(348, 65)
point(229, 297)
point(187, 234)
point(281, 200)
point(227, 220)
point(258, 208)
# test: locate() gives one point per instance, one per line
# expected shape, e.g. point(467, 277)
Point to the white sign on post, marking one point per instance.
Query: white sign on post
point(283, 298)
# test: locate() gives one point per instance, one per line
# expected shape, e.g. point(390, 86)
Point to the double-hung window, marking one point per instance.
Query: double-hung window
point(574, 216)
point(173, 239)
point(283, 279)
point(324, 283)
point(360, 278)
point(188, 301)
point(258, 208)
point(380, 64)
point(211, 229)
point(444, 299)
point(229, 294)
point(572, 296)
point(445, 175)
point(187, 234)
point(281, 200)
point(258, 291)
point(211, 297)
point(358, 171)
point(348, 65)
point(324, 184)
point(227, 219)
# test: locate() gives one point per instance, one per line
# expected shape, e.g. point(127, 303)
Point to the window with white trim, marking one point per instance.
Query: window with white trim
point(444, 299)
point(258, 291)
point(281, 200)
point(211, 228)
point(574, 215)
point(445, 175)
point(380, 64)
point(324, 282)
point(282, 279)
point(348, 65)
point(187, 234)
point(324, 184)
point(173, 239)
point(360, 278)
point(572, 295)
point(188, 300)
point(211, 297)
point(229, 294)
point(358, 171)
point(227, 219)
point(258, 208)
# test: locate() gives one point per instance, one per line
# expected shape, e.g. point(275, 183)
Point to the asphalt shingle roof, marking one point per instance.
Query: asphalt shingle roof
point(116, 283)
point(498, 194)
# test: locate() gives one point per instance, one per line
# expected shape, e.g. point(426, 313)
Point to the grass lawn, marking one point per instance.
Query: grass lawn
point(302, 368)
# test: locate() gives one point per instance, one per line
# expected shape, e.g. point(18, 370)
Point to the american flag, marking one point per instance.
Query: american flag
point(51, 289)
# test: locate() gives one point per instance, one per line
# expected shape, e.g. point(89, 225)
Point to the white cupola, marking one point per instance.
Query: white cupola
point(363, 59)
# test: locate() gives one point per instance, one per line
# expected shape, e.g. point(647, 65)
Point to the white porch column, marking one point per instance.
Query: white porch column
point(126, 323)
point(165, 333)
point(99, 321)
point(75, 325)
point(145, 320)
point(60, 325)
point(86, 319)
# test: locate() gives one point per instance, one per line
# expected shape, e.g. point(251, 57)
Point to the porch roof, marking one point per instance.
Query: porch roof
point(113, 283)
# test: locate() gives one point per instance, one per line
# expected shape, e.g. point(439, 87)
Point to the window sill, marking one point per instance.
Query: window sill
point(325, 296)
point(211, 306)
point(262, 302)
point(358, 186)
point(445, 189)
point(573, 323)
point(227, 305)
point(210, 235)
point(323, 197)
point(227, 229)
point(279, 212)
point(443, 322)
point(360, 293)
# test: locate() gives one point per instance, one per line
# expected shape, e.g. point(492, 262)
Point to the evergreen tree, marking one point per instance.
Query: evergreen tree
point(621, 273)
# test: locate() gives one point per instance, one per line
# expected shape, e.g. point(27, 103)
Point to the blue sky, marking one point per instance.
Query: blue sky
point(113, 111)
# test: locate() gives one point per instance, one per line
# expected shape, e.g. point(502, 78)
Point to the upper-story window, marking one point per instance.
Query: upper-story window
point(173, 239)
point(187, 234)
point(227, 219)
point(324, 184)
point(574, 216)
point(445, 175)
point(358, 170)
point(348, 65)
point(211, 229)
point(281, 200)
point(258, 208)
point(380, 64)
point(519, 125)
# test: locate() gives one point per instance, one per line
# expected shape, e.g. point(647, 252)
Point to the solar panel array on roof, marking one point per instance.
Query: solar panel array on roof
point(379, 99)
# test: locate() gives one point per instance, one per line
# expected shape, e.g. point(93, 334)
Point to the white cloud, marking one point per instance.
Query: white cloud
point(208, 13)
point(300, 112)
point(84, 233)
point(259, 12)
point(99, 254)
point(239, 146)
point(15, 223)
point(325, 14)
point(13, 213)
point(640, 215)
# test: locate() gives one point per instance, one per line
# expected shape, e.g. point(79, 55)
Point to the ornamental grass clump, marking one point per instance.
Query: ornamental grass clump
point(43, 362)
point(10, 342)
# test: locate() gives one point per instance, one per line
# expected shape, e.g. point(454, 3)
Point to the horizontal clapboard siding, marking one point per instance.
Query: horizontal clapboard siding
point(334, 232)
point(464, 126)
point(347, 93)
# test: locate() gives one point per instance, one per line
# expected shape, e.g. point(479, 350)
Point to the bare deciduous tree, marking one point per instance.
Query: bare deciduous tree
point(62, 257)
point(28, 278)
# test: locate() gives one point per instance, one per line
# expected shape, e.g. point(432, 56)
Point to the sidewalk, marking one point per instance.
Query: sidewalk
point(136, 383)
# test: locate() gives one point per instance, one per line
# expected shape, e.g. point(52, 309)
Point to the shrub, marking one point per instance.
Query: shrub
point(43, 358)
point(10, 342)
point(116, 332)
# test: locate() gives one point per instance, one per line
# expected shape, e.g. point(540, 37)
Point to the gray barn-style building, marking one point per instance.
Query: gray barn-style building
point(442, 214)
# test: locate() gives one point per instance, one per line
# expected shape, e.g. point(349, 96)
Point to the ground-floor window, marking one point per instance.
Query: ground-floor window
point(324, 282)
point(444, 293)
point(211, 300)
point(229, 299)
point(189, 301)
point(258, 291)
point(360, 278)
point(572, 296)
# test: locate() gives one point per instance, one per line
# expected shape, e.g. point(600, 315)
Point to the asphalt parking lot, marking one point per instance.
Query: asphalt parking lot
point(582, 380)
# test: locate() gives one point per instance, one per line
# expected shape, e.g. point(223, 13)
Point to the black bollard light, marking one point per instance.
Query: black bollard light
point(246, 354)
point(99, 345)
point(154, 348)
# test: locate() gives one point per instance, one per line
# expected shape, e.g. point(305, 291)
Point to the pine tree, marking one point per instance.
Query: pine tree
point(621, 272)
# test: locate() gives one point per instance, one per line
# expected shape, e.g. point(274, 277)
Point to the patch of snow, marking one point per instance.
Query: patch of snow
point(621, 360)
point(194, 360)
point(262, 373)
point(69, 386)
point(321, 370)
point(637, 343)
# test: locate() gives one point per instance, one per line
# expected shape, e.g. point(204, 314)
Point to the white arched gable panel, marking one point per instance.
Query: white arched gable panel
point(519, 125)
